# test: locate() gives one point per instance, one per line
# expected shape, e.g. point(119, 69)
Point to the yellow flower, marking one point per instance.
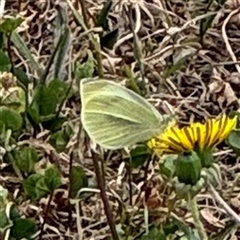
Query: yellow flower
point(196, 137)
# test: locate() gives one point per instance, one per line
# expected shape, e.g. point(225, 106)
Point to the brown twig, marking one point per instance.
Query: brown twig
point(102, 187)
point(45, 215)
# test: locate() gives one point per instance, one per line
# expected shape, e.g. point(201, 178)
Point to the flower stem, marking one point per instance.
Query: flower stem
point(196, 217)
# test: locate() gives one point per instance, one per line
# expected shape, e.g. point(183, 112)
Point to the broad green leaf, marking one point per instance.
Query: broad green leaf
point(26, 158)
point(46, 99)
point(59, 90)
point(7, 25)
point(35, 187)
point(10, 119)
point(23, 228)
point(52, 178)
point(138, 156)
point(78, 180)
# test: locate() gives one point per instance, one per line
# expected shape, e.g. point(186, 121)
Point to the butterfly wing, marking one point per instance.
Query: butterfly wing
point(116, 117)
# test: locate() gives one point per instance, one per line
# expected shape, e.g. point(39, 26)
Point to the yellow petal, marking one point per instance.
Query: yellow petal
point(227, 128)
point(216, 130)
point(199, 133)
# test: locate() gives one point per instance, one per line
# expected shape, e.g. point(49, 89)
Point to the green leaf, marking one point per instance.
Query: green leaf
point(25, 52)
point(233, 141)
point(26, 158)
point(109, 39)
point(34, 108)
point(7, 25)
point(35, 187)
point(78, 180)
point(46, 99)
point(21, 76)
point(167, 165)
point(189, 233)
point(3, 196)
point(102, 17)
point(60, 139)
point(14, 98)
point(86, 69)
point(5, 64)
point(52, 178)
point(10, 119)
point(5, 222)
point(138, 156)
point(23, 228)
point(205, 24)
point(59, 90)
point(155, 234)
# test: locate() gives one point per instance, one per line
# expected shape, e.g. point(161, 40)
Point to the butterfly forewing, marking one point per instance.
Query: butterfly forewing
point(115, 116)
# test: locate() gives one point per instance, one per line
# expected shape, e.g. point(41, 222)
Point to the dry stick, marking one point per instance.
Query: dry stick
point(101, 185)
point(218, 198)
point(225, 37)
point(45, 215)
point(93, 40)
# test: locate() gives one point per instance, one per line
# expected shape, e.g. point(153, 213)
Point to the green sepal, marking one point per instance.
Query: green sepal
point(188, 168)
point(206, 156)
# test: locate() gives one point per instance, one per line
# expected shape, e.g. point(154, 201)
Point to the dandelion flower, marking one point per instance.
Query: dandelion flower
point(196, 137)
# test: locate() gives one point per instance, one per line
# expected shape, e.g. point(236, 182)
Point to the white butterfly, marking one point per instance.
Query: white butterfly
point(116, 117)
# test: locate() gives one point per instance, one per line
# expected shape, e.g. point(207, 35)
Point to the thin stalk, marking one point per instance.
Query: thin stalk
point(93, 39)
point(196, 217)
point(102, 187)
point(45, 215)
point(219, 199)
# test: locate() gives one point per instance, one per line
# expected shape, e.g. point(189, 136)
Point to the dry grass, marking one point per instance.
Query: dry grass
point(199, 77)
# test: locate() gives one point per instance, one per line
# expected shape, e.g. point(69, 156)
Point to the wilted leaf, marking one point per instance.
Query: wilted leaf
point(221, 91)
